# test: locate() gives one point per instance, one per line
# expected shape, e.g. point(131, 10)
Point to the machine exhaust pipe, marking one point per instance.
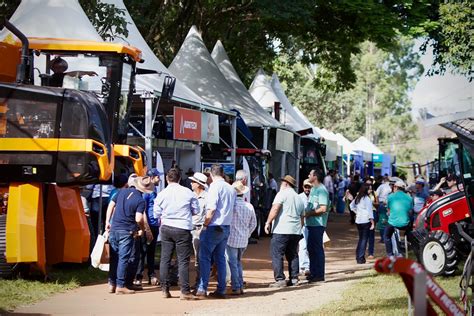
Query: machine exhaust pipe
point(24, 69)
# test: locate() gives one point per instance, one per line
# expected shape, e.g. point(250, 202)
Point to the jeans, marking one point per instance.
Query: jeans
point(133, 261)
point(316, 251)
point(121, 244)
point(285, 245)
point(234, 257)
point(147, 252)
point(213, 241)
point(180, 239)
point(196, 233)
point(387, 237)
point(364, 232)
point(303, 251)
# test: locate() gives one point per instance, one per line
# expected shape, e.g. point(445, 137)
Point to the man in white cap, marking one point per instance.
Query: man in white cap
point(302, 248)
point(399, 206)
point(199, 187)
point(242, 225)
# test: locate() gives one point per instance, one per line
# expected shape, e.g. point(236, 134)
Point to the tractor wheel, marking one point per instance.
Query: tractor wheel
point(438, 254)
point(6, 269)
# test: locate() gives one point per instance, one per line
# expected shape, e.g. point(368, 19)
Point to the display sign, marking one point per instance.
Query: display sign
point(187, 124)
point(229, 168)
point(284, 141)
point(210, 128)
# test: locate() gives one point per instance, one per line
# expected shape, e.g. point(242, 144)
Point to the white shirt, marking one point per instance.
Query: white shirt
point(305, 198)
point(106, 189)
point(363, 210)
point(176, 204)
point(329, 184)
point(383, 191)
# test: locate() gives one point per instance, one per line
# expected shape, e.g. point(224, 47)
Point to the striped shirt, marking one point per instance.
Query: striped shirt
point(243, 223)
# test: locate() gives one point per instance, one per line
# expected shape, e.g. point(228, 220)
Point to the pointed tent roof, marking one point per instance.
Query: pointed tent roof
point(195, 67)
point(291, 118)
point(222, 61)
point(367, 147)
point(347, 147)
point(152, 82)
point(53, 18)
point(261, 90)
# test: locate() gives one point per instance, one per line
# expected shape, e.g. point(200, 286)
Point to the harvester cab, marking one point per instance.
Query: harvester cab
point(64, 107)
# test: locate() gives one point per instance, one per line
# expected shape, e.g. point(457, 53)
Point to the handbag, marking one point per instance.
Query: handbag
point(100, 255)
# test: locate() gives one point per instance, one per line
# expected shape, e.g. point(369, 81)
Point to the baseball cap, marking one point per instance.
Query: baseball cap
point(400, 184)
point(153, 172)
point(307, 182)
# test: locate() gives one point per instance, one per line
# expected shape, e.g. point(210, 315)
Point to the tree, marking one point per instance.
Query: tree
point(377, 105)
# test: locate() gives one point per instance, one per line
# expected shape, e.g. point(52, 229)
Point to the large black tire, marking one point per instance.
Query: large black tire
point(438, 254)
point(6, 269)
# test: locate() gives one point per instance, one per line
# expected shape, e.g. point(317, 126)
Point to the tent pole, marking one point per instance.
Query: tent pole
point(265, 138)
point(233, 132)
point(148, 97)
point(298, 144)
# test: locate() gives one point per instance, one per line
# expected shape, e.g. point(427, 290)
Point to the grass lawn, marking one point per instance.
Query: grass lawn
point(14, 293)
point(380, 294)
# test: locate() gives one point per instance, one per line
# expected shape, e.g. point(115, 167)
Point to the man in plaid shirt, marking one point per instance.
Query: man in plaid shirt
point(242, 226)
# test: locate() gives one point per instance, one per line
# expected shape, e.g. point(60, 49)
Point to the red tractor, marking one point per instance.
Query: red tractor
point(443, 230)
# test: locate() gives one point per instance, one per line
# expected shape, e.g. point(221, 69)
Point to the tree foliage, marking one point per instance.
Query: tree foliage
point(377, 105)
point(108, 20)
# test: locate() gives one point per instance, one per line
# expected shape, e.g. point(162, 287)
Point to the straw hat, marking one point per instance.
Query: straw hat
point(199, 178)
point(290, 180)
point(240, 187)
point(144, 184)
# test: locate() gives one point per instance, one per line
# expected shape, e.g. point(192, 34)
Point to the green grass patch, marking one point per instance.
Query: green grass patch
point(15, 293)
point(380, 294)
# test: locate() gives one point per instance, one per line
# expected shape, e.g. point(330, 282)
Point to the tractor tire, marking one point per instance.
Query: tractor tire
point(438, 254)
point(7, 270)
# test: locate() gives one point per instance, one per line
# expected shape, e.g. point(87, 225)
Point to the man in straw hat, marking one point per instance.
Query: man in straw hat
point(242, 226)
point(128, 219)
point(286, 219)
point(199, 187)
point(316, 218)
point(176, 204)
point(399, 206)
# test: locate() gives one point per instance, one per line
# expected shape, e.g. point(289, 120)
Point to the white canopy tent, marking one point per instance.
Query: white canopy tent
point(347, 150)
point(194, 66)
point(366, 147)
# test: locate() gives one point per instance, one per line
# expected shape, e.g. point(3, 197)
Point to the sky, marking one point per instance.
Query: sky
point(441, 94)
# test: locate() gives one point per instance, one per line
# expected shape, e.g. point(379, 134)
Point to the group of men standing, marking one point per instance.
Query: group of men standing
point(215, 223)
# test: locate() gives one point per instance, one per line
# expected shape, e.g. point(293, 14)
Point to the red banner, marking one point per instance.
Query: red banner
point(187, 124)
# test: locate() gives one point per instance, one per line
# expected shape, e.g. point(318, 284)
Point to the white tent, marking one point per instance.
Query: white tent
point(152, 82)
point(367, 147)
point(261, 90)
point(54, 19)
point(195, 67)
point(347, 147)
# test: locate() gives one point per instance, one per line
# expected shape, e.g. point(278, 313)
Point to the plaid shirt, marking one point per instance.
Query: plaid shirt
point(243, 223)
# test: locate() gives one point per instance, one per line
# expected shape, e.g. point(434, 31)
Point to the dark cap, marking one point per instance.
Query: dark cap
point(437, 192)
point(153, 172)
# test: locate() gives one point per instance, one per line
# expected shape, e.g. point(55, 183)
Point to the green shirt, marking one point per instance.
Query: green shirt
point(317, 197)
point(400, 204)
point(288, 220)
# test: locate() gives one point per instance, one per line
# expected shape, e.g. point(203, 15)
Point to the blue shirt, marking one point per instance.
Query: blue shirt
point(149, 200)
point(221, 197)
point(317, 197)
point(127, 202)
point(176, 205)
point(399, 205)
point(419, 200)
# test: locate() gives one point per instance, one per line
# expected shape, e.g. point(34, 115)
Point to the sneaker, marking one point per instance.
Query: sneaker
point(293, 282)
point(187, 297)
point(278, 284)
point(166, 294)
point(371, 257)
point(153, 280)
point(237, 292)
point(135, 287)
point(218, 295)
point(137, 282)
point(112, 288)
point(201, 295)
point(123, 290)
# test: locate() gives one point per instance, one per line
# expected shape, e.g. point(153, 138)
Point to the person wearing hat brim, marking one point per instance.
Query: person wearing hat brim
point(302, 249)
point(129, 207)
point(399, 206)
point(315, 221)
point(199, 187)
point(243, 224)
point(176, 204)
point(286, 218)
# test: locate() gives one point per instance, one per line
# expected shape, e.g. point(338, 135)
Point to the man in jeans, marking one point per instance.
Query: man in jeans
point(176, 204)
point(316, 218)
point(128, 219)
point(286, 214)
point(220, 205)
point(243, 224)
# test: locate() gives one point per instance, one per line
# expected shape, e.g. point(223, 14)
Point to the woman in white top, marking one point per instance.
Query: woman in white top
point(362, 207)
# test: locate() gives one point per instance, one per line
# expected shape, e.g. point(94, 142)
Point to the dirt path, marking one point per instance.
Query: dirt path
point(341, 271)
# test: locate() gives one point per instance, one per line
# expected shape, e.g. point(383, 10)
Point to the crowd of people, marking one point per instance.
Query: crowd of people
point(212, 219)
